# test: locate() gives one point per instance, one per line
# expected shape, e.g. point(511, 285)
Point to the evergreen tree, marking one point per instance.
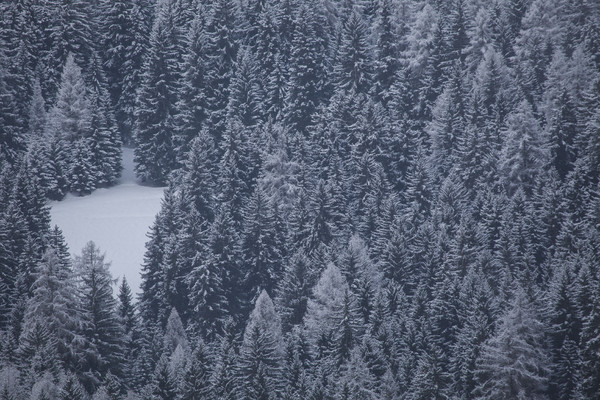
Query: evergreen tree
point(101, 326)
point(524, 152)
point(588, 382)
point(262, 248)
point(294, 290)
point(196, 381)
point(163, 383)
point(71, 116)
point(325, 309)
point(221, 55)
point(82, 174)
point(192, 105)
point(307, 68)
point(72, 389)
point(51, 325)
point(514, 362)
point(354, 69)
point(156, 101)
point(563, 136)
point(261, 352)
point(245, 91)
point(213, 281)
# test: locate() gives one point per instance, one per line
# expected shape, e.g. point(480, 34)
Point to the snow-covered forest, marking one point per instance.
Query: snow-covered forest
point(366, 199)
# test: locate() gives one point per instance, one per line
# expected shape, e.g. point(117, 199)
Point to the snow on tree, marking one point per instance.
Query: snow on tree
point(325, 307)
point(71, 116)
point(261, 352)
point(175, 335)
point(514, 362)
point(524, 152)
point(156, 101)
point(51, 325)
point(100, 323)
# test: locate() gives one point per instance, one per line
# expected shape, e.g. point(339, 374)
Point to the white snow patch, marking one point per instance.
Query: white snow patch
point(117, 219)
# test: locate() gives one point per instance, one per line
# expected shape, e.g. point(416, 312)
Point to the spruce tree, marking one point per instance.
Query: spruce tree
point(354, 68)
point(514, 362)
point(261, 352)
point(196, 381)
point(101, 325)
point(156, 101)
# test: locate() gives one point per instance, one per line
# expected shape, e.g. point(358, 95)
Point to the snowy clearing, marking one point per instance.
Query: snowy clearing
point(116, 219)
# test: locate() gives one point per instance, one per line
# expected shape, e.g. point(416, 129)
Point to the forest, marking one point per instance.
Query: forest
point(364, 199)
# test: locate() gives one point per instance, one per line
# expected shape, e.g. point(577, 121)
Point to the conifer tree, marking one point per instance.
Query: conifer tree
point(514, 362)
point(192, 105)
point(195, 384)
point(71, 116)
point(261, 352)
point(262, 251)
point(101, 325)
point(307, 68)
point(221, 55)
point(354, 69)
point(163, 383)
point(524, 152)
point(72, 389)
point(212, 281)
point(51, 325)
point(156, 101)
point(294, 290)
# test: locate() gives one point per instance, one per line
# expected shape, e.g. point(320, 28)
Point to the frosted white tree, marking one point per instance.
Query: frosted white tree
point(261, 354)
point(514, 363)
point(71, 116)
point(325, 308)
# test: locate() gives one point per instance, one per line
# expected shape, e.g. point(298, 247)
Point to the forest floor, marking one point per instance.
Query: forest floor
point(117, 219)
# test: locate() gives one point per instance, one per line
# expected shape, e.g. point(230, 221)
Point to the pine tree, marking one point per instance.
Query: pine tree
point(294, 290)
point(51, 325)
point(261, 353)
point(524, 152)
point(356, 381)
point(588, 383)
point(126, 311)
point(192, 106)
point(105, 141)
point(199, 176)
point(37, 112)
point(234, 171)
point(564, 330)
point(245, 92)
point(212, 281)
point(71, 116)
point(131, 70)
point(354, 69)
point(101, 325)
point(163, 384)
point(119, 25)
point(262, 250)
point(387, 51)
point(156, 101)
point(325, 309)
point(221, 55)
point(72, 389)
point(82, 174)
point(175, 335)
point(197, 377)
point(307, 68)
point(71, 27)
point(563, 136)
point(514, 362)
point(447, 126)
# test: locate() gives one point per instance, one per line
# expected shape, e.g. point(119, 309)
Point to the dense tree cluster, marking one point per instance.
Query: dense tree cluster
point(366, 199)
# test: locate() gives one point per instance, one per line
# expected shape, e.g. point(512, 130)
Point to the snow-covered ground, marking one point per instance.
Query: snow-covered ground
point(116, 219)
